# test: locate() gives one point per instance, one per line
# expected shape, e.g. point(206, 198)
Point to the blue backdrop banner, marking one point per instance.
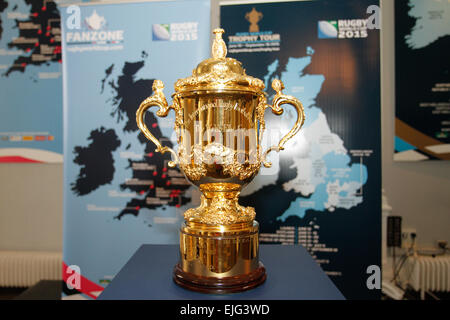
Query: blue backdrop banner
point(119, 193)
point(325, 193)
point(422, 106)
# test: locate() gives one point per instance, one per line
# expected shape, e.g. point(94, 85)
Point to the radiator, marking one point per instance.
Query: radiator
point(425, 273)
point(24, 268)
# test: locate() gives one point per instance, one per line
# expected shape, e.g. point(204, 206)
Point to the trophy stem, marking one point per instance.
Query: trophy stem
point(219, 258)
point(219, 206)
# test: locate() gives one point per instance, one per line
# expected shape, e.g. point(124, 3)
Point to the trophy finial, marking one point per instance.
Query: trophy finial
point(278, 86)
point(219, 48)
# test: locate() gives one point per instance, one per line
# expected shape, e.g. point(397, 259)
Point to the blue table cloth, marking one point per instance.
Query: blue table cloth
point(292, 274)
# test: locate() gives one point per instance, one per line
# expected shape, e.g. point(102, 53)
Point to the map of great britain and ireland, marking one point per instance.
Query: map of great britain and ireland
point(39, 38)
point(154, 183)
point(323, 177)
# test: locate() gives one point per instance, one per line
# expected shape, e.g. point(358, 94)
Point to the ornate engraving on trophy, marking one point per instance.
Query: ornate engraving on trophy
point(222, 108)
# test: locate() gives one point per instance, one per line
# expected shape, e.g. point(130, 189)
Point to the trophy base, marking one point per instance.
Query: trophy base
point(219, 285)
point(219, 258)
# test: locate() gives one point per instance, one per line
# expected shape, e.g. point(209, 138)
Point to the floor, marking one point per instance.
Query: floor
point(10, 293)
point(13, 293)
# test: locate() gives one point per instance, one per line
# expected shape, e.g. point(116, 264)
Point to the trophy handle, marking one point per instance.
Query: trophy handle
point(158, 99)
point(279, 100)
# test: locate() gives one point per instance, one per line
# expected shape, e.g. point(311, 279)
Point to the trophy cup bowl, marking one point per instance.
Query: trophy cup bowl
point(219, 123)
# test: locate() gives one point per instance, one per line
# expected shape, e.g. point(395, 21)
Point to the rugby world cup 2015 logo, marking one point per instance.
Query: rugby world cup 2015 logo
point(328, 29)
point(161, 32)
point(180, 31)
point(350, 28)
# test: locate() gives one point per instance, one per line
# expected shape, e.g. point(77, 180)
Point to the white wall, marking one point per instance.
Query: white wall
point(31, 194)
point(31, 207)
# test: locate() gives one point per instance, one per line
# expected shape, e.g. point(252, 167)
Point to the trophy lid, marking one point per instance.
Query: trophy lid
point(219, 73)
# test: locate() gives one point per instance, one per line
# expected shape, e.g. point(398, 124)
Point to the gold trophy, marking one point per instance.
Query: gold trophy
point(219, 122)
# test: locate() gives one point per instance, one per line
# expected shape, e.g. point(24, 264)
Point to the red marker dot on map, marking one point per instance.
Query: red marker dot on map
point(59, 61)
point(150, 154)
point(44, 8)
point(23, 64)
point(35, 14)
point(39, 31)
point(52, 40)
point(154, 125)
point(142, 192)
point(164, 169)
point(163, 176)
point(137, 208)
point(36, 44)
point(27, 49)
point(48, 28)
point(152, 186)
point(177, 205)
point(168, 183)
point(155, 173)
point(47, 34)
